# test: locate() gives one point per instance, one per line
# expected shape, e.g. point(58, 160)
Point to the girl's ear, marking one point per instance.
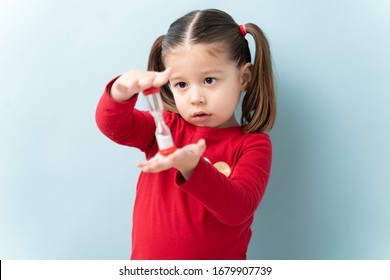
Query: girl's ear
point(246, 75)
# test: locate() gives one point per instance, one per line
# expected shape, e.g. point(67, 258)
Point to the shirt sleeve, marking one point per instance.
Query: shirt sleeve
point(234, 199)
point(124, 124)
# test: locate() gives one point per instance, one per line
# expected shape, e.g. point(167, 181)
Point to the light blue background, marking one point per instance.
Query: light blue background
point(67, 192)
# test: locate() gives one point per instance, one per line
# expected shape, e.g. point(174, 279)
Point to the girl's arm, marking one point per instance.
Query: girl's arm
point(234, 199)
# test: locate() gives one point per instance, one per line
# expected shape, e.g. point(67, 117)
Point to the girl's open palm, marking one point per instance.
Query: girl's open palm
point(184, 159)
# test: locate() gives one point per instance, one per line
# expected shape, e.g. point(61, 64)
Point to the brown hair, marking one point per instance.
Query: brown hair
point(211, 26)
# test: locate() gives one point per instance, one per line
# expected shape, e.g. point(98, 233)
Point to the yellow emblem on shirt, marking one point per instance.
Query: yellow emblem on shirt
point(221, 166)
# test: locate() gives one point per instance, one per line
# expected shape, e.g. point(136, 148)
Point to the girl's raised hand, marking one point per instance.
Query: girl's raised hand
point(135, 81)
point(184, 159)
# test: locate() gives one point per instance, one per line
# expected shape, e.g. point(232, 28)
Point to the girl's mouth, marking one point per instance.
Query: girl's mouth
point(200, 116)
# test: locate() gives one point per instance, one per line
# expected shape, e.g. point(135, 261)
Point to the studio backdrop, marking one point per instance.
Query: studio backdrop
point(67, 192)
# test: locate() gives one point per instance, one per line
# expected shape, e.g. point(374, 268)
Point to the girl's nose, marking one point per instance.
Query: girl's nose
point(197, 98)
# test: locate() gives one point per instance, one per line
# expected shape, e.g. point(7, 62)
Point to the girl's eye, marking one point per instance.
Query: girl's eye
point(209, 81)
point(181, 85)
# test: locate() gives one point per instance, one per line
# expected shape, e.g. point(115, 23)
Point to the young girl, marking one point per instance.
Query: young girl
point(198, 202)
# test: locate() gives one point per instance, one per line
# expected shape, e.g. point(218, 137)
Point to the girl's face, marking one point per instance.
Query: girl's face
point(206, 86)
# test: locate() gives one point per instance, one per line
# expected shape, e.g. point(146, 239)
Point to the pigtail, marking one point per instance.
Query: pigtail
point(259, 103)
point(155, 63)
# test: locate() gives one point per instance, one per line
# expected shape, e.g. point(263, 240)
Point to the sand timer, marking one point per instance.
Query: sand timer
point(163, 133)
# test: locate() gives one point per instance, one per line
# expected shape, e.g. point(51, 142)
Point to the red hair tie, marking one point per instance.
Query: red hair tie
point(243, 29)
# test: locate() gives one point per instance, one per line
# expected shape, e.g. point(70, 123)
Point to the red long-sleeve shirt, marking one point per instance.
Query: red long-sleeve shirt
point(207, 217)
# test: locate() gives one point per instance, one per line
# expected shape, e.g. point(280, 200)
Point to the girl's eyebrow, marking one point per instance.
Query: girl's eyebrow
point(211, 72)
point(178, 77)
